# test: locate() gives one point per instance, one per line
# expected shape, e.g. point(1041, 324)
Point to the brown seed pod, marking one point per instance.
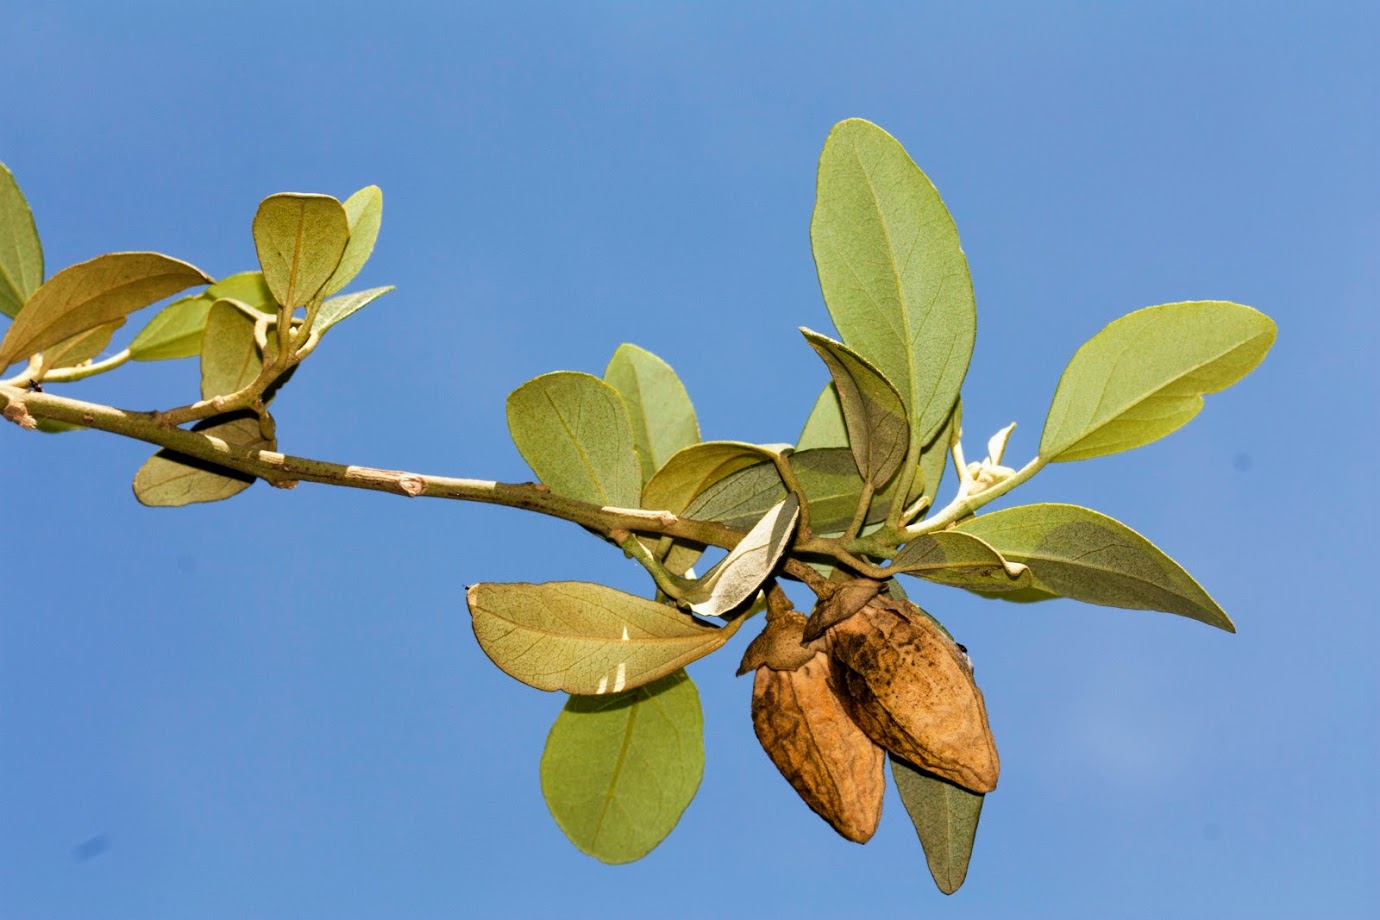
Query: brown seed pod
point(910, 688)
point(806, 731)
point(838, 602)
point(779, 645)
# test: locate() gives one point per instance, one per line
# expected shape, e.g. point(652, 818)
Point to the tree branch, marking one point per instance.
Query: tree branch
point(285, 471)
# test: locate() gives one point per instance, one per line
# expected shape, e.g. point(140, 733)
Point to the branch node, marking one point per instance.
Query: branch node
point(412, 485)
point(16, 411)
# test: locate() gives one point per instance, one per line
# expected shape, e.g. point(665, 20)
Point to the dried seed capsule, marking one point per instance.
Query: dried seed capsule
point(824, 755)
point(911, 690)
point(805, 729)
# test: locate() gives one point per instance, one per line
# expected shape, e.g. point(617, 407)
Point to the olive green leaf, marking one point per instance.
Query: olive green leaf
point(878, 432)
point(618, 771)
point(585, 638)
point(346, 305)
point(81, 347)
point(300, 240)
point(825, 426)
point(175, 330)
point(230, 358)
point(573, 430)
point(828, 476)
point(951, 557)
point(740, 574)
point(892, 272)
point(53, 426)
point(21, 253)
point(169, 479)
point(1077, 553)
point(663, 418)
point(689, 472)
point(1144, 375)
point(91, 294)
point(945, 817)
point(693, 469)
point(364, 215)
point(934, 457)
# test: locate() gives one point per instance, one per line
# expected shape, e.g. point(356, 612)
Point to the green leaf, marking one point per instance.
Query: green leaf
point(878, 432)
point(1144, 375)
point(91, 294)
point(249, 288)
point(169, 479)
point(950, 557)
point(945, 817)
point(53, 426)
point(1077, 553)
point(619, 771)
point(81, 347)
point(300, 240)
point(741, 573)
point(345, 306)
point(892, 272)
point(230, 358)
point(364, 215)
point(934, 458)
point(694, 469)
point(573, 430)
point(175, 331)
point(688, 473)
point(585, 638)
point(21, 253)
point(825, 426)
point(828, 476)
point(663, 418)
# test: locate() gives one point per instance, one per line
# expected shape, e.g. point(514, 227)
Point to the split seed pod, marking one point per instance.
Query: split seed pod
point(805, 729)
point(911, 689)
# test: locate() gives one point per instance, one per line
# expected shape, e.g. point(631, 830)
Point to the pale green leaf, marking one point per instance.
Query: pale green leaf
point(878, 433)
point(300, 240)
point(619, 771)
point(951, 557)
point(81, 347)
point(169, 479)
point(53, 426)
point(934, 458)
point(695, 468)
point(663, 418)
point(688, 473)
point(91, 294)
point(1080, 554)
point(364, 214)
point(175, 330)
point(346, 305)
point(741, 573)
point(825, 426)
point(573, 430)
point(249, 288)
point(945, 817)
point(21, 253)
point(585, 638)
point(1144, 375)
point(230, 357)
point(892, 272)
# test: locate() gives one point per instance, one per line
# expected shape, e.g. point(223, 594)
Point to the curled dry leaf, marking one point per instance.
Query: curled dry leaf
point(838, 603)
point(910, 688)
point(805, 729)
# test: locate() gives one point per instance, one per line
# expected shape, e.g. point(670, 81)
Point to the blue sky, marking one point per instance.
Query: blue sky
point(275, 707)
